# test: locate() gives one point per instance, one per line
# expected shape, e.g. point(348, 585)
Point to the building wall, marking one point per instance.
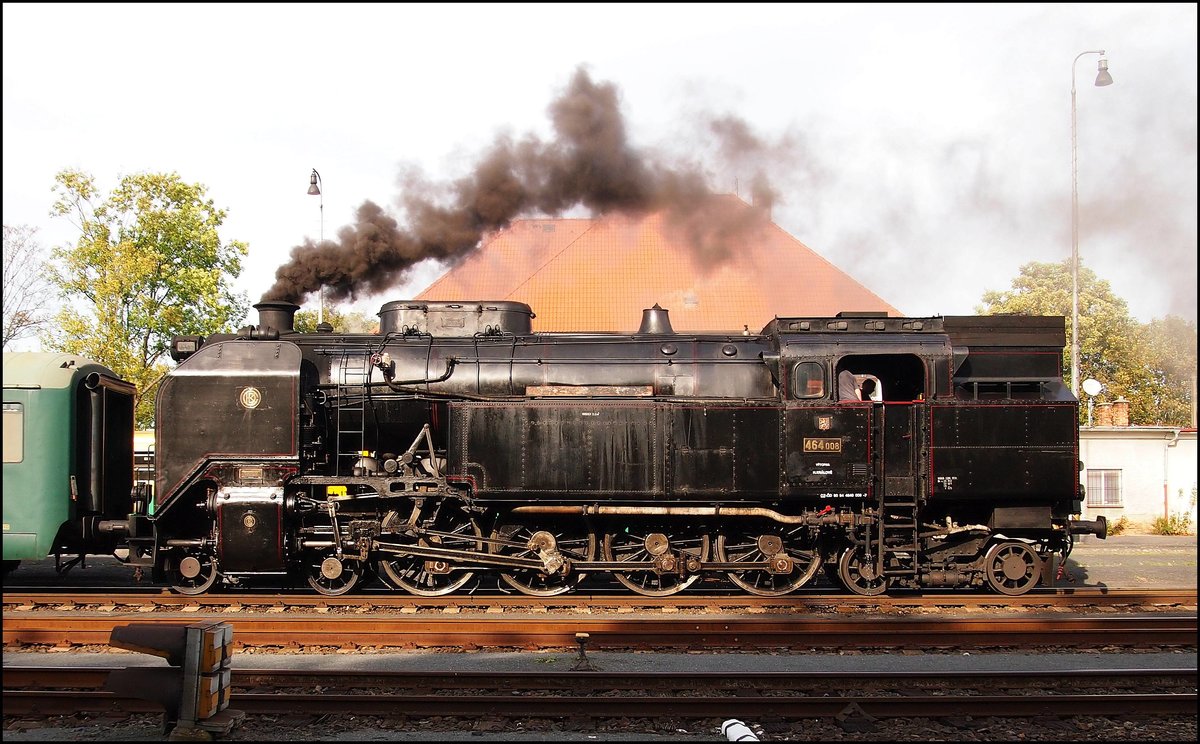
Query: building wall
point(1156, 466)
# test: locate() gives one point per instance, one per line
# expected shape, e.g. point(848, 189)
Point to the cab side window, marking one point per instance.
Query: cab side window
point(808, 380)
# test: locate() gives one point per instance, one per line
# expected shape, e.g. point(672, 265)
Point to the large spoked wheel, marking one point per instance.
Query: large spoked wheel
point(653, 547)
point(568, 545)
point(1012, 567)
point(193, 572)
point(859, 574)
point(332, 576)
point(767, 543)
point(428, 577)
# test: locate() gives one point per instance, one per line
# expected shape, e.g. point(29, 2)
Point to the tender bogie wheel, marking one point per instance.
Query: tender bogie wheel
point(573, 545)
point(756, 544)
point(431, 578)
point(1012, 567)
point(193, 572)
point(648, 546)
point(331, 576)
point(859, 575)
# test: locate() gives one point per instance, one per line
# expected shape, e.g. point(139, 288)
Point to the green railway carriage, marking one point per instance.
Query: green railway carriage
point(68, 457)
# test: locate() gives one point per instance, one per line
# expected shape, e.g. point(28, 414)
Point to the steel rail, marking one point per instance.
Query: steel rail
point(1059, 597)
point(676, 693)
point(707, 632)
point(47, 703)
point(23, 678)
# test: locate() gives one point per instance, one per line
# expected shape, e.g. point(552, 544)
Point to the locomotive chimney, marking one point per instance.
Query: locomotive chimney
point(277, 314)
point(655, 321)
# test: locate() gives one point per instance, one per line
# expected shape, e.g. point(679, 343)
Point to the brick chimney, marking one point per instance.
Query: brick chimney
point(1104, 414)
point(1120, 412)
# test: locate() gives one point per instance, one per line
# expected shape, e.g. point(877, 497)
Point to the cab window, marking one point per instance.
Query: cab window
point(808, 380)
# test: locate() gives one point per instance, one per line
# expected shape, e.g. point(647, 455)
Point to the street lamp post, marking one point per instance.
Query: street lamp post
point(314, 189)
point(1102, 79)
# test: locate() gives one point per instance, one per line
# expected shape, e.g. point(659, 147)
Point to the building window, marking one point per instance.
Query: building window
point(1103, 487)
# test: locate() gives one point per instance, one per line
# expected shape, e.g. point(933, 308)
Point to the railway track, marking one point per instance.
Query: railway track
point(160, 599)
point(71, 628)
point(32, 692)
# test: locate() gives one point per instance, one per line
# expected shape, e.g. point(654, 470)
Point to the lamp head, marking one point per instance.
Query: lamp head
point(313, 189)
point(1102, 76)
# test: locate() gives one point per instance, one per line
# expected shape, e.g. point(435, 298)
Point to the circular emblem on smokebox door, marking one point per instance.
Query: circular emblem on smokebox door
point(250, 397)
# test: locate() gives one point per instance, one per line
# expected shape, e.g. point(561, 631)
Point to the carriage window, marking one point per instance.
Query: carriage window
point(14, 432)
point(808, 380)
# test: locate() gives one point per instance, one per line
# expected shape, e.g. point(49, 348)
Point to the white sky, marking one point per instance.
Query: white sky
point(931, 142)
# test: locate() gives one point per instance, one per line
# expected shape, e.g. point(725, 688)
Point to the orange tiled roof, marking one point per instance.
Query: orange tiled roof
point(599, 274)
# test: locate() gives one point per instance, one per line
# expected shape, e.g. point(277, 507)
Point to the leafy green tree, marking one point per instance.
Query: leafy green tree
point(149, 264)
point(360, 322)
point(1113, 347)
point(351, 322)
point(1172, 344)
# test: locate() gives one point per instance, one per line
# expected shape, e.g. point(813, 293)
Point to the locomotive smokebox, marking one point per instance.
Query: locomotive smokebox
point(655, 321)
point(277, 314)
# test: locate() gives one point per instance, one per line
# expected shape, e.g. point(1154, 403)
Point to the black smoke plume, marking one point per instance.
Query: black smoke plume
point(589, 163)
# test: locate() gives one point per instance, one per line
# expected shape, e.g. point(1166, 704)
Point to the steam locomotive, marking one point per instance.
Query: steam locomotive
point(457, 446)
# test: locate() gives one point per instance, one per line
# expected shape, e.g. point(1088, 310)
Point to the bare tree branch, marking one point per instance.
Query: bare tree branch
point(27, 294)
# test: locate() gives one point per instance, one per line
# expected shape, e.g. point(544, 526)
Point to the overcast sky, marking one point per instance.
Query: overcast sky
point(923, 149)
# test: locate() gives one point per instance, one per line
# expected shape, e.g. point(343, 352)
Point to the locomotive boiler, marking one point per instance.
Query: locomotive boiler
point(457, 446)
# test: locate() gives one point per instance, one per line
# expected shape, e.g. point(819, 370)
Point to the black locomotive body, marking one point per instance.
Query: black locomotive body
point(457, 445)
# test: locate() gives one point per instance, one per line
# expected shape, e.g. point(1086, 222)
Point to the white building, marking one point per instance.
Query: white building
point(1139, 472)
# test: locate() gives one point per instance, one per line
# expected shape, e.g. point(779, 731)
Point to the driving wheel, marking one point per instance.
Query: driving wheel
point(556, 544)
point(427, 577)
point(661, 554)
point(796, 556)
